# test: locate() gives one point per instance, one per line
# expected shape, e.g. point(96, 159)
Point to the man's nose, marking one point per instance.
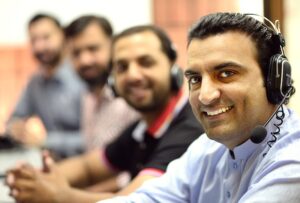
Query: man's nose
point(209, 91)
point(134, 72)
point(39, 45)
point(85, 58)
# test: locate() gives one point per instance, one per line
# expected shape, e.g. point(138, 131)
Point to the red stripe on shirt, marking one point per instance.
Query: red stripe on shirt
point(165, 114)
point(152, 172)
point(106, 161)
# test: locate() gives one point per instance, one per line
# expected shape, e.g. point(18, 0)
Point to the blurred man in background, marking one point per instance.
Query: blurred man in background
point(53, 93)
point(104, 115)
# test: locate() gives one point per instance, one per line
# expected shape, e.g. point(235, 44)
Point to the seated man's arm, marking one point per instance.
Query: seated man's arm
point(134, 184)
point(19, 126)
point(109, 185)
point(171, 187)
point(28, 131)
point(52, 184)
point(79, 196)
point(85, 170)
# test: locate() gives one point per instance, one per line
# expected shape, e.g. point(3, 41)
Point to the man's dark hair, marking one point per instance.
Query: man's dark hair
point(41, 16)
point(78, 25)
point(265, 38)
point(166, 43)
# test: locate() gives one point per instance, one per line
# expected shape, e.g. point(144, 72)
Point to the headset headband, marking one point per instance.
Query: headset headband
point(275, 27)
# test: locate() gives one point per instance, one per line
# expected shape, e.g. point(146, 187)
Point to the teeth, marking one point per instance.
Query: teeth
point(219, 111)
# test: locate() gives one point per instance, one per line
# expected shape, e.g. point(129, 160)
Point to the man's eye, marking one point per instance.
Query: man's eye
point(146, 62)
point(226, 74)
point(194, 80)
point(94, 48)
point(120, 67)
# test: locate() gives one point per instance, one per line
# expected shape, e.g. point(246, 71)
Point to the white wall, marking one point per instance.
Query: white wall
point(252, 6)
point(14, 14)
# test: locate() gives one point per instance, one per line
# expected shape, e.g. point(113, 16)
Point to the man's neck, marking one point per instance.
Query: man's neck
point(49, 71)
point(151, 116)
point(96, 90)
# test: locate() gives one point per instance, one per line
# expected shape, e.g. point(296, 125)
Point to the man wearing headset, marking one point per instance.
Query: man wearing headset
point(238, 77)
point(145, 75)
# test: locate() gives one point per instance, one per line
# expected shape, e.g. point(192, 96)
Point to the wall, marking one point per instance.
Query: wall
point(292, 30)
point(14, 14)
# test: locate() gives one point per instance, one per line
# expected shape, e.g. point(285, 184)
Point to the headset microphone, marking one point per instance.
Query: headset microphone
point(259, 133)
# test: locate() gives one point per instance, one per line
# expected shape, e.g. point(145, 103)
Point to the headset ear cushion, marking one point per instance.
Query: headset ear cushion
point(176, 78)
point(111, 84)
point(278, 79)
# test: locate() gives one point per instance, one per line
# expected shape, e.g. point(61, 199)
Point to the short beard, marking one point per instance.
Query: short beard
point(145, 109)
point(157, 104)
point(94, 82)
point(51, 63)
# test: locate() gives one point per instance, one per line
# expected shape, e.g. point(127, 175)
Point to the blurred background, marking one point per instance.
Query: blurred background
point(175, 16)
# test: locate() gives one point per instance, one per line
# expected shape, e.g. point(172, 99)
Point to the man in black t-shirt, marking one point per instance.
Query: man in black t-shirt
point(144, 73)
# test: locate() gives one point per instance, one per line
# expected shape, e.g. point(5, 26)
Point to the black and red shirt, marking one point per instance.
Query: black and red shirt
point(149, 149)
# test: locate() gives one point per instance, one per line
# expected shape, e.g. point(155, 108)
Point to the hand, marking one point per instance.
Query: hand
point(17, 129)
point(28, 131)
point(28, 185)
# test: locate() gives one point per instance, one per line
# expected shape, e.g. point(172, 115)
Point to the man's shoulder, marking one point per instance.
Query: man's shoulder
point(289, 132)
point(68, 76)
point(292, 120)
point(285, 148)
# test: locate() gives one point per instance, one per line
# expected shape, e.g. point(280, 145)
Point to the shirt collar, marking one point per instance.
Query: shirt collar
point(61, 73)
point(105, 95)
point(163, 121)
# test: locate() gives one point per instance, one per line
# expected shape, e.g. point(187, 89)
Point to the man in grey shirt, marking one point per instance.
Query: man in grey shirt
point(53, 93)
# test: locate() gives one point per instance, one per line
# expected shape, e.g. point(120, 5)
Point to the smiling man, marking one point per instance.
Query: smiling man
point(222, 91)
point(233, 63)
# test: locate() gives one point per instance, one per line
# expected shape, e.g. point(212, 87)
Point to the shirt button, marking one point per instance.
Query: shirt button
point(228, 194)
point(235, 165)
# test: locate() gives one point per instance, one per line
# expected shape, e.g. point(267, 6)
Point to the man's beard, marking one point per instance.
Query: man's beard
point(158, 102)
point(153, 106)
point(98, 80)
point(52, 58)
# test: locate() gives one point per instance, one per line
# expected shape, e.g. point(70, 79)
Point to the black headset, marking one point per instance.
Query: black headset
point(278, 81)
point(176, 72)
